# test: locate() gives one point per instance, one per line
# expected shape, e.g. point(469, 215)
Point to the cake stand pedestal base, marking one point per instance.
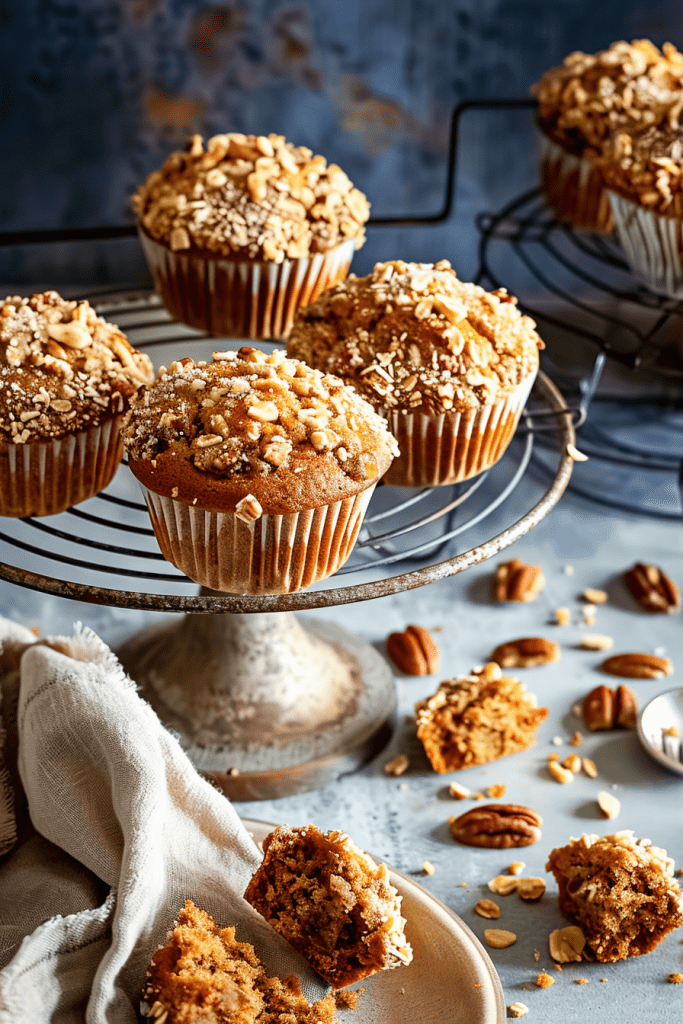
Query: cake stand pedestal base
point(265, 705)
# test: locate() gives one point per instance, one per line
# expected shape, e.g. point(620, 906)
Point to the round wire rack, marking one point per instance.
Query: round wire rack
point(110, 537)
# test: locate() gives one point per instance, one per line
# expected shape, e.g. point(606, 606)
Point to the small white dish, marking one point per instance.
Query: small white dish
point(660, 729)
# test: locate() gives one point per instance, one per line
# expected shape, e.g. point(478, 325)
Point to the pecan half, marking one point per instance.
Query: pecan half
point(517, 581)
point(497, 826)
point(598, 709)
point(652, 588)
point(413, 652)
point(625, 708)
point(527, 652)
point(637, 666)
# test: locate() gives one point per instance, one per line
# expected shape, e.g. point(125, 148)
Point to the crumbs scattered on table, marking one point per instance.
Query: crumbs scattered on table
point(428, 868)
point(497, 790)
point(675, 978)
point(563, 617)
point(577, 738)
point(544, 980)
point(580, 981)
point(397, 766)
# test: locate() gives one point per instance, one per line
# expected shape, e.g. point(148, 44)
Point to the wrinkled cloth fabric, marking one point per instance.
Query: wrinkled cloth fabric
point(115, 830)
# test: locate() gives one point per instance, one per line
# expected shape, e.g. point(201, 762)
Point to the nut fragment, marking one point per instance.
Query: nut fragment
point(516, 867)
point(652, 588)
point(544, 980)
point(625, 708)
point(563, 617)
point(397, 766)
point(487, 908)
point(499, 938)
point(459, 792)
point(596, 642)
point(608, 804)
point(575, 455)
point(413, 651)
point(675, 979)
point(560, 774)
point(496, 791)
point(573, 763)
point(589, 767)
point(634, 665)
point(428, 868)
point(576, 740)
point(518, 1010)
point(598, 709)
point(497, 826)
point(249, 509)
point(566, 944)
point(527, 652)
point(503, 885)
point(594, 596)
point(517, 581)
point(530, 888)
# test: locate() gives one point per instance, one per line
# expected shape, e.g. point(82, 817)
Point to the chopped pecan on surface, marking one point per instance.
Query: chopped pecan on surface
point(634, 665)
point(652, 588)
point(503, 885)
point(413, 651)
point(517, 581)
point(608, 804)
point(566, 944)
point(598, 709)
point(497, 826)
point(487, 908)
point(530, 888)
point(397, 766)
point(499, 938)
point(589, 767)
point(560, 774)
point(527, 652)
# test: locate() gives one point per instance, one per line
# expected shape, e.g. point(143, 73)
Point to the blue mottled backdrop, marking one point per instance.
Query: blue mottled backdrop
point(95, 93)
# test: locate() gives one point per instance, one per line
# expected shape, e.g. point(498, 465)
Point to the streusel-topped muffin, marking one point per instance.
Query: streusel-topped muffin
point(620, 890)
point(449, 364)
point(331, 902)
point(257, 470)
point(241, 234)
point(66, 379)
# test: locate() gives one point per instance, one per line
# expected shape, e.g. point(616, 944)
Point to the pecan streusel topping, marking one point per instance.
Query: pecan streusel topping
point(647, 168)
point(62, 368)
point(628, 85)
point(259, 196)
point(413, 336)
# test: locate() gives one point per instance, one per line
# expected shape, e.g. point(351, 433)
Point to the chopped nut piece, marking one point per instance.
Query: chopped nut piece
point(459, 792)
point(576, 740)
point(563, 617)
point(596, 642)
point(573, 763)
point(598, 709)
point(413, 651)
point(625, 708)
point(527, 652)
point(516, 867)
point(503, 885)
point(556, 741)
point(397, 766)
point(248, 509)
point(487, 908)
point(568, 570)
point(553, 757)
point(566, 944)
point(537, 955)
point(428, 868)
point(518, 1010)
point(544, 980)
point(594, 596)
point(652, 588)
point(496, 791)
point(671, 731)
point(637, 666)
point(575, 455)
point(499, 938)
point(530, 888)
point(589, 767)
point(516, 581)
point(608, 804)
point(675, 978)
point(580, 981)
point(560, 774)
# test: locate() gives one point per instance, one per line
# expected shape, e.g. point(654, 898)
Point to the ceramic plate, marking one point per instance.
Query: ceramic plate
point(440, 985)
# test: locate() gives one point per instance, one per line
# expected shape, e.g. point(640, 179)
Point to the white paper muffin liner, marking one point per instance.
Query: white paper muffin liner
point(449, 447)
point(233, 298)
point(574, 189)
point(45, 476)
point(653, 245)
point(276, 554)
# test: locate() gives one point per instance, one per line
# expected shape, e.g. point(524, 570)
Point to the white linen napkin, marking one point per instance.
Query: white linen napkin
point(122, 830)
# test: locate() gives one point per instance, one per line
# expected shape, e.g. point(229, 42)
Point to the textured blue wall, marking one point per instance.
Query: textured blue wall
point(95, 93)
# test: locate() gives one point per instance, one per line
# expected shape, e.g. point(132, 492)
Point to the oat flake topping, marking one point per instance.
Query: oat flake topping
point(412, 336)
point(259, 196)
point(62, 368)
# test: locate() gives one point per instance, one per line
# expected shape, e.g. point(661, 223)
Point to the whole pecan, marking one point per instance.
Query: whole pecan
point(527, 652)
point(497, 826)
point(413, 652)
point(517, 581)
point(637, 666)
point(652, 588)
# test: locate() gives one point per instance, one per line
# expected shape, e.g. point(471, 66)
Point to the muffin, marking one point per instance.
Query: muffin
point(256, 469)
point(66, 379)
point(241, 235)
point(448, 364)
point(643, 172)
point(620, 891)
point(583, 102)
point(331, 902)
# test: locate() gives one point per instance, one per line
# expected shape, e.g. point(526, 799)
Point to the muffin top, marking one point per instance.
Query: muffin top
point(624, 848)
point(258, 196)
point(62, 368)
point(582, 102)
point(411, 336)
point(254, 426)
point(647, 167)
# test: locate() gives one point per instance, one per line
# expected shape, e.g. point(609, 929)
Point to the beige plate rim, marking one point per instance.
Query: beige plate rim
point(463, 936)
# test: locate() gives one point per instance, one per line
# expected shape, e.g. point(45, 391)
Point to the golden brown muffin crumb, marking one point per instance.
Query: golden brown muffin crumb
point(478, 718)
point(331, 902)
point(203, 974)
point(621, 892)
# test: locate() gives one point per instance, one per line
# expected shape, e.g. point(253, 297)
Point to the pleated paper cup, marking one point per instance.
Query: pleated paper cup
point(276, 554)
point(447, 448)
point(233, 298)
point(653, 245)
point(574, 189)
point(44, 477)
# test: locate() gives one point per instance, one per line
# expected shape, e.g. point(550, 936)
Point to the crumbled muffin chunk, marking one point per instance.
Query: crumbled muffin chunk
point(62, 368)
point(412, 336)
point(477, 718)
point(255, 195)
point(619, 890)
point(203, 974)
point(331, 902)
